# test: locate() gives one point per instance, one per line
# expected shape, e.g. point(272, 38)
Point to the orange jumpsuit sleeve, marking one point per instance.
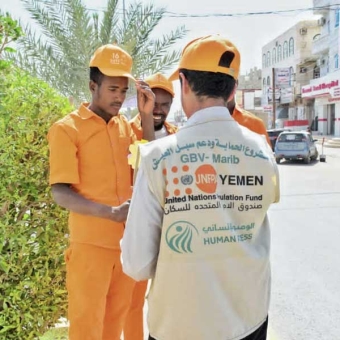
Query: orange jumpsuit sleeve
point(133, 136)
point(263, 131)
point(62, 156)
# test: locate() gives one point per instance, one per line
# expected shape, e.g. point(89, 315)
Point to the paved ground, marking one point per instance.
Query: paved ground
point(305, 251)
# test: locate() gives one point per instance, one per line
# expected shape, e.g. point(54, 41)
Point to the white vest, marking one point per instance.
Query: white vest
point(216, 181)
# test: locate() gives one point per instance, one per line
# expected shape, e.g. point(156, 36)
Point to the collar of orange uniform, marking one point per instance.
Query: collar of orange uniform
point(137, 121)
point(85, 113)
point(170, 128)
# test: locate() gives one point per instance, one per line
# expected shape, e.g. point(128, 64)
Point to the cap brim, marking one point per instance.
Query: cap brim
point(116, 73)
point(156, 86)
point(174, 76)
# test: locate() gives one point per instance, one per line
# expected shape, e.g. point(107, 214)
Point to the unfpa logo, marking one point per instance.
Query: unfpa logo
point(206, 178)
point(180, 236)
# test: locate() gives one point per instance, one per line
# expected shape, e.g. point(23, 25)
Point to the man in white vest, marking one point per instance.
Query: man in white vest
point(197, 224)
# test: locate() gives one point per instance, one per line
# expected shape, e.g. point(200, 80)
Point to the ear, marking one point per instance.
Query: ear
point(92, 86)
point(232, 95)
point(184, 83)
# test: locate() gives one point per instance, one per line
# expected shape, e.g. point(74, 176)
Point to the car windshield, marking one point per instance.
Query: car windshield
point(274, 132)
point(292, 137)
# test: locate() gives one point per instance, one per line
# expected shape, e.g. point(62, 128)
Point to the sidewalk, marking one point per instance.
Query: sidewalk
point(321, 137)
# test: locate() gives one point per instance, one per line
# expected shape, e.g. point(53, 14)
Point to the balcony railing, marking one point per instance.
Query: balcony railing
point(321, 44)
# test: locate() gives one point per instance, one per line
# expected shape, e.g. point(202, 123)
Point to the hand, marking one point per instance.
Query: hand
point(145, 98)
point(119, 214)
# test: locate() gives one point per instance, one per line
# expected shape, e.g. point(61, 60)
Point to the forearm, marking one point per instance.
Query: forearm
point(148, 127)
point(67, 198)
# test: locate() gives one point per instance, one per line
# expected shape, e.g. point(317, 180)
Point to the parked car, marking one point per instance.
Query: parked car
point(292, 145)
point(273, 134)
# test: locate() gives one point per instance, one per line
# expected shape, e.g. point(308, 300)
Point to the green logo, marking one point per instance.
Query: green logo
point(179, 236)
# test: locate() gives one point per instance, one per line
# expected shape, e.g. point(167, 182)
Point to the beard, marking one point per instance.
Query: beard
point(159, 126)
point(159, 123)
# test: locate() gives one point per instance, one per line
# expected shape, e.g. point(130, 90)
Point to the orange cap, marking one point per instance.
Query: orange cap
point(204, 54)
point(157, 80)
point(112, 61)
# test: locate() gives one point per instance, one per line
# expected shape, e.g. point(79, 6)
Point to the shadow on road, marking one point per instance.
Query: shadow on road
point(298, 163)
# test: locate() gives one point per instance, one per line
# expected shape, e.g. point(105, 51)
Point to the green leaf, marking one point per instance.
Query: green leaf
point(4, 266)
point(9, 49)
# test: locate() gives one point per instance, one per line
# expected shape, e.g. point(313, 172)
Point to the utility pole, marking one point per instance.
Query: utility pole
point(273, 99)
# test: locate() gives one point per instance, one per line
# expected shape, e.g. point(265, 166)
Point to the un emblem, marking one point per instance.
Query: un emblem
point(187, 179)
point(180, 235)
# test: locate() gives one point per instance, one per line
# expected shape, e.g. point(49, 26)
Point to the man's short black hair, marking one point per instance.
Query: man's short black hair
point(210, 84)
point(96, 76)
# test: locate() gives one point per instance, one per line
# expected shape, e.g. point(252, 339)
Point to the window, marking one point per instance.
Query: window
point(264, 63)
point(274, 56)
point(337, 17)
point(268, 80)
point(279, 53)
point(268, 58)
point(291, 47)
point(316, 72)
point(336, 61)
point(285, 50)
point(264, 81)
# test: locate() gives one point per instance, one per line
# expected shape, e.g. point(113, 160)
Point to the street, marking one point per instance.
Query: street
point(305, 251)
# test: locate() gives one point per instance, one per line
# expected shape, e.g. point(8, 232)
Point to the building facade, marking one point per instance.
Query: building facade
point(324, 89)
point(251, 80)
point(287, 65)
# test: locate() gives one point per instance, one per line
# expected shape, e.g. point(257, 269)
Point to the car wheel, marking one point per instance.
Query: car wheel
point(278, 160)
point(315, 157)
point(307, 159)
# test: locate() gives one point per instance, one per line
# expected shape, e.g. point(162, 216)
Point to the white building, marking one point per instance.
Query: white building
point(324, 89)
point(289, 57)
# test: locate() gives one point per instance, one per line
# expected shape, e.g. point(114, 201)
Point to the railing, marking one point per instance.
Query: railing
point(321, 44)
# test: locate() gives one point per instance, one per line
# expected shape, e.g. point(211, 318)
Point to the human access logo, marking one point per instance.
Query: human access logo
point(180, 237)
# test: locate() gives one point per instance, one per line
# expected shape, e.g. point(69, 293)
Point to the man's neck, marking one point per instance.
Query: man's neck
point(205, 104)
point(231, 108)
point(102, 114)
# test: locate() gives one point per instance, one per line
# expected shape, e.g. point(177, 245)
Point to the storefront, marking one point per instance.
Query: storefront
point(326, 92)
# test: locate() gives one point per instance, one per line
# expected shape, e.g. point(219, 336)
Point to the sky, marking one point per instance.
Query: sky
point(248, 32)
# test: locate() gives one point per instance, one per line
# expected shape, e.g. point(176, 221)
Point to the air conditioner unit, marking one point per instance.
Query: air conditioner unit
point(303, 69)
point(321, 21)
point(303, 30)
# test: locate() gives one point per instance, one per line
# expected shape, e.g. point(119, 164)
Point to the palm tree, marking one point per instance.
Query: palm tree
point(71, 33)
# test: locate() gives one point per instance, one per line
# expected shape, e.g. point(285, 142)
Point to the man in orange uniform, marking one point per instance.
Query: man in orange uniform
point(164, 93)
point(90, 176)
point(247, 119)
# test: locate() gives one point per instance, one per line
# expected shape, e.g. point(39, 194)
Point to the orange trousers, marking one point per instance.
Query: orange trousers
point(134, 324)
point(99, 293)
